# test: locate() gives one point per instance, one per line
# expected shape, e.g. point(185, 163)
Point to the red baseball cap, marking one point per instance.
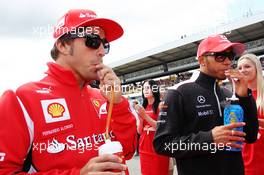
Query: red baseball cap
point(74, 19)
point(219, 43)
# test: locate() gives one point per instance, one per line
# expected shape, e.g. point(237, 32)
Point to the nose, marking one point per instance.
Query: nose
point(227, 61)
point(101, 51)
point(242, 69)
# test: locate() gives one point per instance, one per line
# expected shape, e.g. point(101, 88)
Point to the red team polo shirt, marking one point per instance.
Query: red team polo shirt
point(253, 153)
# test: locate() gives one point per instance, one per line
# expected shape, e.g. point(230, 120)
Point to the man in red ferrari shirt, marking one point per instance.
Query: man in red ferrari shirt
point(55, 126)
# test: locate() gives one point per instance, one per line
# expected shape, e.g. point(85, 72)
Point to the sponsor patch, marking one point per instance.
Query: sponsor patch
point(44, 90)
point(55, 110)
point(96, 103)
point(2, 156)
point(201, 99)
point(60, 23)
point(100, 107)
point(205, 113)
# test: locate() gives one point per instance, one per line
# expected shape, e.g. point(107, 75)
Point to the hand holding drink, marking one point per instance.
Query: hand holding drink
point(238, 81)
point(234, 113)
point(112, 147)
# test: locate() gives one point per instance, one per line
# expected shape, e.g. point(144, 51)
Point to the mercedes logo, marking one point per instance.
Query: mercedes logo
point(201, 99)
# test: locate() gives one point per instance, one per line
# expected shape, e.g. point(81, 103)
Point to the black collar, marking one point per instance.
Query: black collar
point(206, 80)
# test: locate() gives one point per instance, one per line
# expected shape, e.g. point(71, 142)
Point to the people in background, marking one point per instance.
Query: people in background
point(151, 163)
point(250, 66)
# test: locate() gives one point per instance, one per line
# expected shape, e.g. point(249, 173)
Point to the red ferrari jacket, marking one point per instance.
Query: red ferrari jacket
point(56, 127)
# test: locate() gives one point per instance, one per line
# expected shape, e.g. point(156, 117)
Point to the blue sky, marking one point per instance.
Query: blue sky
point(147, 24)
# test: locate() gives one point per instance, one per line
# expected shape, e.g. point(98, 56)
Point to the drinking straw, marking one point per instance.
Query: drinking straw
point(109, 113)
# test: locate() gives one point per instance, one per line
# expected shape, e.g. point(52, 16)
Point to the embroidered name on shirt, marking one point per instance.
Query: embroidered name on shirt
point(56, 130)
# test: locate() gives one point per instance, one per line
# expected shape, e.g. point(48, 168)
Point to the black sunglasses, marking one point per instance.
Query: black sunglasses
point(93, 41)
point(221, 56)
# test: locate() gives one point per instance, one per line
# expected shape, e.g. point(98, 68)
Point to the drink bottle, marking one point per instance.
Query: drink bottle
point(112, 147)
point(234, 113)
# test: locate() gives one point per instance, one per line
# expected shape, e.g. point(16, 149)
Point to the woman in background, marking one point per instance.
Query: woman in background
point(151, 163)
point(253, 156)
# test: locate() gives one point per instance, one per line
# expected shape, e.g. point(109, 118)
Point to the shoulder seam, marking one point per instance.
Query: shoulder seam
point(175, 87)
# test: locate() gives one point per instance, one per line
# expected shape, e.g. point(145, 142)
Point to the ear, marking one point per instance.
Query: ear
point(201, 60)
point(64, 48)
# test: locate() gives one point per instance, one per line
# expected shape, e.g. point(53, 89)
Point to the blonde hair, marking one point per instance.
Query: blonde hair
point(260, 81)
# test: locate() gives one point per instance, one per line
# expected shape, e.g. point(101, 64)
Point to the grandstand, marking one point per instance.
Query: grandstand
point(179, 56)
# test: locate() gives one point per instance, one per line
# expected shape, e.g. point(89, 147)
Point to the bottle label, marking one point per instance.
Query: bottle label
point(233, 114)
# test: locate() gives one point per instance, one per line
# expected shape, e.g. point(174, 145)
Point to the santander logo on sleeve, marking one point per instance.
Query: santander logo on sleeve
point(55, 110)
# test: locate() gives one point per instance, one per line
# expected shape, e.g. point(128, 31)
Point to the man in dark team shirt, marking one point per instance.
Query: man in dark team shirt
point(190, 125)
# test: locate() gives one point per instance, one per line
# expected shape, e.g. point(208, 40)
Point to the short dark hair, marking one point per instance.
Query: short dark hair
point(65, 39)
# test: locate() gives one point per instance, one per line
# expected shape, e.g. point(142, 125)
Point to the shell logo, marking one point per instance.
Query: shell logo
point(56, 110)
point(96, 103)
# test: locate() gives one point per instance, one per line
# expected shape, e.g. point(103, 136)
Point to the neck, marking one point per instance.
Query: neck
point(150, 100)
point(252, 84)
point(81, 82)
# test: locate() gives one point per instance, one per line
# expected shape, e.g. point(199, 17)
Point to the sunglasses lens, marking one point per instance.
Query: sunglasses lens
point(220, 57)
point(106, 46)
point(94, 41)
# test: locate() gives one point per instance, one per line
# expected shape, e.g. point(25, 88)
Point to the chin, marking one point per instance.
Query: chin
point(223, 77)
point(92, 78)
point(147, 95)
